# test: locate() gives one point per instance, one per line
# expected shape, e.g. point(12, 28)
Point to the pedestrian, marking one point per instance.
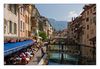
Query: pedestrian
point(42, 52)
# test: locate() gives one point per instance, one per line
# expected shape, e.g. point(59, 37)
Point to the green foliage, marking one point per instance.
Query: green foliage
point(43, 35)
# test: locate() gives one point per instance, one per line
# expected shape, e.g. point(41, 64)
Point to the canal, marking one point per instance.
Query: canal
point(59, 56)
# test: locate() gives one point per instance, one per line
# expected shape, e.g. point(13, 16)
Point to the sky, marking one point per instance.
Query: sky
point(60, 12)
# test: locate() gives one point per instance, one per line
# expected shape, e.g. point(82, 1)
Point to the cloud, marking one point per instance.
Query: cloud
point(72, 14)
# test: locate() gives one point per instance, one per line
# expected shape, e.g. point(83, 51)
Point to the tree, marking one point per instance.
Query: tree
point(43, 35)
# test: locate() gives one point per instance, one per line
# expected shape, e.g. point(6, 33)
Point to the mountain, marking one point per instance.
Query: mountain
point(58, 25)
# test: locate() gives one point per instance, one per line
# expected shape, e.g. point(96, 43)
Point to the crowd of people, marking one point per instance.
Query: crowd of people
point(22, 56)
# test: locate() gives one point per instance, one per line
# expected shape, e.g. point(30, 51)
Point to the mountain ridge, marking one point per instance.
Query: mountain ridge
point(58, 25)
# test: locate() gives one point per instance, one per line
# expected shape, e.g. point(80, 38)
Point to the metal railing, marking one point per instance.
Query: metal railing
point(86, 55)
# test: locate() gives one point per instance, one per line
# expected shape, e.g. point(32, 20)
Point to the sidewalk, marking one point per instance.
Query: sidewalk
point(35, 60)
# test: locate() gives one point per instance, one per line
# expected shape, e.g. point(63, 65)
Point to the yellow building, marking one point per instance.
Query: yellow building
point(10, 21)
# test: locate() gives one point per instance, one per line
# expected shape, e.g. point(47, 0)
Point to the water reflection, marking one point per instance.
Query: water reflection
point(55, 58)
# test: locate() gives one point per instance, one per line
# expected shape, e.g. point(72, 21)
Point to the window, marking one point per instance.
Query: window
point(72, 29)
point(92, 31)
point(91, 20)
point(87, 12)
point(12, 8)
point(94, 9)
point(87, 19)
point(9, 7)
point(21, 26)
point(91, 10)
point(10, 27)
point(94, 20)
point(15, 28)
point(26, 19)
point(87, 36)
point(5, 26)
point(21, 10)
point(90, 43)
point(87, 27)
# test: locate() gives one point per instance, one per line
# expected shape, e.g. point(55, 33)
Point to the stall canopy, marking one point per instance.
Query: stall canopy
point(16, 46)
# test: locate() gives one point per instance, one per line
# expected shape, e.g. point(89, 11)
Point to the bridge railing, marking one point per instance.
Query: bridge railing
point(86, 54)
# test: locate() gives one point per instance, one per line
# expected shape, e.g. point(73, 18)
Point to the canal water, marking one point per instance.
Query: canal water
point(55, 58)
